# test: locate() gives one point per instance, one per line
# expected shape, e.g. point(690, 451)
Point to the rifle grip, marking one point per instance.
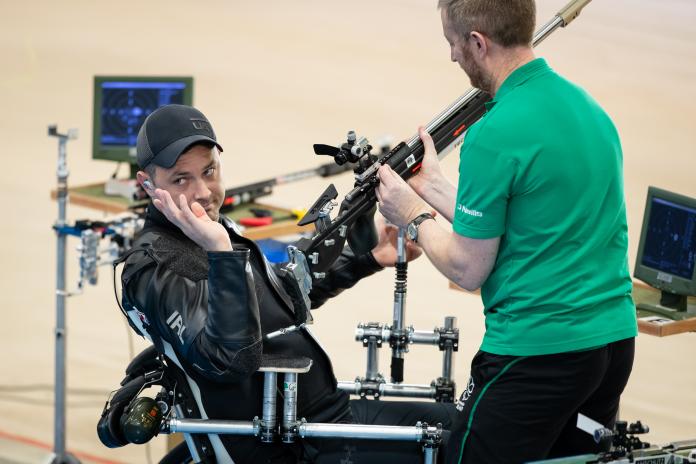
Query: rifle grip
point(362, 236)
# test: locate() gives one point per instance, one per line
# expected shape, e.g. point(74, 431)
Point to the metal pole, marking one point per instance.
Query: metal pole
point(416, 337)
point(407, 390)
point(388, 389)
point(59, 451)
point(289, 407)
point(447, 354)
point(398, 340)
point(364, 332)
point(60, 332)
point(366, 432)
point(423, 337)
point(400, 296)
point(356, 431)
point(429, 454)
point(372, 372)
point(269, 420)
point(223, 427)
point(187, 436)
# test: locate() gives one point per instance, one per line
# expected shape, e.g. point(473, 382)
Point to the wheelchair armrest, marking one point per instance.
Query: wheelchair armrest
point(281, 363)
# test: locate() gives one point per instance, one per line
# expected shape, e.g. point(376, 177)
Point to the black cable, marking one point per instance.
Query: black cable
point(118, 166)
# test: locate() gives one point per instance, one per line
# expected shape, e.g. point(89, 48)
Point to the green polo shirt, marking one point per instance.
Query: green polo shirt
point(542, 170)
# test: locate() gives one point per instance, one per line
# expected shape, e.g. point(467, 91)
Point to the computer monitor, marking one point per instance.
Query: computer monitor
point(121, 104)
point(667, 251)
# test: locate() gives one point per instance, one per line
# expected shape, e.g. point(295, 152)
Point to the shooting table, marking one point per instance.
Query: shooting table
point(659, 325)
point(92, 196)
point(648, 323)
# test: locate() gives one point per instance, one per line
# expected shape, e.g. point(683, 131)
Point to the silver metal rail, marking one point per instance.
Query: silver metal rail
point(360, 386)
point(225, 427)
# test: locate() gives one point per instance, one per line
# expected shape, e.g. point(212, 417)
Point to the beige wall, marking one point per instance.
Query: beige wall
point(275, 77)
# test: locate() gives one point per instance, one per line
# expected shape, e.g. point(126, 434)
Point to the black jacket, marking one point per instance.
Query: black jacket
point(214, 307)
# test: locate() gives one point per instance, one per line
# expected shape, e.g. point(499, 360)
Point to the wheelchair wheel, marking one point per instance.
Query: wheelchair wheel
point(180, 454)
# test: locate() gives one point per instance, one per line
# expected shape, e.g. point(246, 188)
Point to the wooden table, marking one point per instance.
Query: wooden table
point(657, 324)
point(648, 323)
point(92, 196)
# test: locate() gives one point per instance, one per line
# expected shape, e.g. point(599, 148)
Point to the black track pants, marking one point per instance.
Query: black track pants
point(519, 409)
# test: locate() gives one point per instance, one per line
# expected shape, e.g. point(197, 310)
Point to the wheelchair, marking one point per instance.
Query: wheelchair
point(129, 417)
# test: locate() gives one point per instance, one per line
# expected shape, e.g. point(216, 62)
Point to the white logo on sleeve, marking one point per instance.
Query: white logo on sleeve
point(470, 212)
point(176, 323)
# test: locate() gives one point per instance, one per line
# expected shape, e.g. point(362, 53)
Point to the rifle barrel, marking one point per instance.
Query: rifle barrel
point(448, 141)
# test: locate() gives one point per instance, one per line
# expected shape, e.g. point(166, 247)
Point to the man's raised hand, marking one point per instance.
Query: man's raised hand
point(193, 221)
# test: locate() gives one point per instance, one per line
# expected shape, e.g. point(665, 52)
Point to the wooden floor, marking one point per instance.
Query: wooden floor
point(276, 77)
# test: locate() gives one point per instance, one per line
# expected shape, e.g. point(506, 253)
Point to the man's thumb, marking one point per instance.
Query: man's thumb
point(427, 140)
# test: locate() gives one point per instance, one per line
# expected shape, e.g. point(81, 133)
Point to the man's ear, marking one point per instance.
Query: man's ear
point(479, 42)
point(144, 180)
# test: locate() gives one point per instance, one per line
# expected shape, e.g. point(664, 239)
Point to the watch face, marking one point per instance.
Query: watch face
point(412, 231)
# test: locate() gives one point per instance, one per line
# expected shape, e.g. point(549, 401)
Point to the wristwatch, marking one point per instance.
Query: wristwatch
point(412, 227)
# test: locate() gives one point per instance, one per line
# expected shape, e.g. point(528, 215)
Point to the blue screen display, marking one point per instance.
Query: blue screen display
point(125, 105)
point(670, 241)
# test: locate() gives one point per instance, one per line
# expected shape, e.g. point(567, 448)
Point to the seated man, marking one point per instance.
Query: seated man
point(200, 287)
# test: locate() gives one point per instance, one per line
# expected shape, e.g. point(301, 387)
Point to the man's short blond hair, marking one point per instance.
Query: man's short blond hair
point(508, 23)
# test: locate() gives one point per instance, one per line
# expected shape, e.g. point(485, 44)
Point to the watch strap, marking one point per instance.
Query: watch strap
point(417, 222)
point(422, 217)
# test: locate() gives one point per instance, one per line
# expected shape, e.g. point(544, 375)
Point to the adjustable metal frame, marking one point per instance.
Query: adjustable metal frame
point(399, 337)
point(269, 429)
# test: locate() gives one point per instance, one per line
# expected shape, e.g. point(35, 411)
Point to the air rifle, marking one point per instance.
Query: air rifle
point(242, 194)
point(236, 196)
point(311, 257)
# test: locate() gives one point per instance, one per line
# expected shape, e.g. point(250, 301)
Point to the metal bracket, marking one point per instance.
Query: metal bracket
point(299, 270)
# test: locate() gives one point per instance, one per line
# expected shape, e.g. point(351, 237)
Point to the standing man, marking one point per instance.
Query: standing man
point(199, 287)
point(539, 224)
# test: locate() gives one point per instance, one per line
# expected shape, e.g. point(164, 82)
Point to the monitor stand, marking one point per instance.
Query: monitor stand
point(671, 306)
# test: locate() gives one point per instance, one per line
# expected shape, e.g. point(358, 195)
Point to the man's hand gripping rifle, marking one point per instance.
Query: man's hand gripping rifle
point(311, 258)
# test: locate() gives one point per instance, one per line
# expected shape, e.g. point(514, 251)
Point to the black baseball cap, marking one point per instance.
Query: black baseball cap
point(169, 131)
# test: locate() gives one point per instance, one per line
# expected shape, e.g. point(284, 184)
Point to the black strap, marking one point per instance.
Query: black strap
point(299, 307)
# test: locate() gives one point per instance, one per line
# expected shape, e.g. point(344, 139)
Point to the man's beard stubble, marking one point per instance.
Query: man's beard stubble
point(477, 76)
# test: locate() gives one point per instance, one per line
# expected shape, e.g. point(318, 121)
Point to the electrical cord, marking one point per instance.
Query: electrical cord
point(118, 167)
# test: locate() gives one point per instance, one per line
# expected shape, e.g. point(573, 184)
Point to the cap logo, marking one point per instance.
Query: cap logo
point(201, 124)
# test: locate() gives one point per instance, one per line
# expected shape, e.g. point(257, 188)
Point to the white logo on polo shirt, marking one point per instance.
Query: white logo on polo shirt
point(470, 212)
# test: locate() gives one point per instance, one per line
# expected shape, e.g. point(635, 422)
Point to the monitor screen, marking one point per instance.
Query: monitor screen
point(121, 104)
point(667, 251)
point(670, 238)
